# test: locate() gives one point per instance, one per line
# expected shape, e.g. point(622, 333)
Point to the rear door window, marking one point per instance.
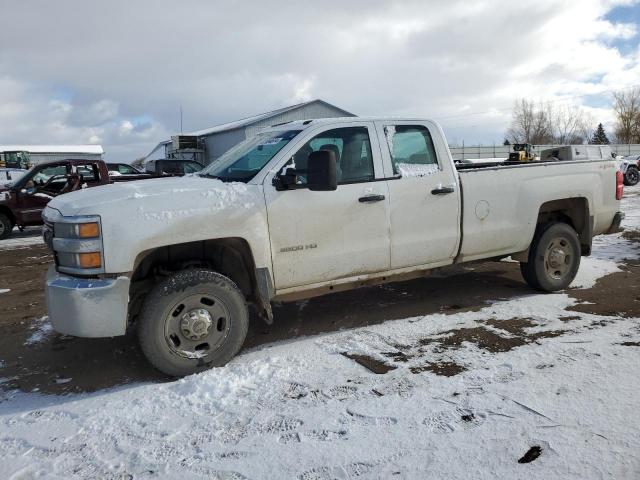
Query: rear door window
point(412, 150)
point(88, 172)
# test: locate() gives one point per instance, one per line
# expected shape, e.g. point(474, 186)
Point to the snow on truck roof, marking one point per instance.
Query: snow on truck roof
point(92, 149)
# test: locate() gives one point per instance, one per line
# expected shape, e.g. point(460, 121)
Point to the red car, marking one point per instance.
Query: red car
point(22, 201)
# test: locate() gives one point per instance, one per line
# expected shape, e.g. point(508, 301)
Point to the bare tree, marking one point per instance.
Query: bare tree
point(626, 104)
point(570, 125)
point(545, 123)
point(529, 124)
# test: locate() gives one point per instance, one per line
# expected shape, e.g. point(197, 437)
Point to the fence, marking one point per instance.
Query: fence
point(502, 151)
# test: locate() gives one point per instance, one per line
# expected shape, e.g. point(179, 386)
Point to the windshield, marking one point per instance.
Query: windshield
point(246, 159)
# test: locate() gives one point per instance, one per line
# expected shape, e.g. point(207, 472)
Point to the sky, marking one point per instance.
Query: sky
point(117, 72)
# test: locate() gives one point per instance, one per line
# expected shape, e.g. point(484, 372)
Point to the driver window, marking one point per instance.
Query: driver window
point(50, 180)
point(352, 148)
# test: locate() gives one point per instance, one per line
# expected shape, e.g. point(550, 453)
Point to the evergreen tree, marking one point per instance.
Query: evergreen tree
point(599, 136)
point(506, 142)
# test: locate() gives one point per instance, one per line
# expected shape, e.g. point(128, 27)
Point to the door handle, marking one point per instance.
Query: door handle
point(371, 198)
point(442, 190)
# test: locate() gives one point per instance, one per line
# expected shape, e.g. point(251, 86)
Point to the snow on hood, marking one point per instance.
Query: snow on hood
point(161, 198)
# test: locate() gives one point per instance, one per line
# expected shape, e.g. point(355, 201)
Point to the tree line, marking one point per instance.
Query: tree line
point(545, 123)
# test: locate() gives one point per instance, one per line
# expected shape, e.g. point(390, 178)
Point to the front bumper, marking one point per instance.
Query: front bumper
point(87, 307)
point(615, 225)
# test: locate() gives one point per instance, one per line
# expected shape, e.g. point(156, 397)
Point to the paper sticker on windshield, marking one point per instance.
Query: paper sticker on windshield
point(271, 141)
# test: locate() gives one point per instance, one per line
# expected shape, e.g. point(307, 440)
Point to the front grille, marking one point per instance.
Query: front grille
point(47, 236)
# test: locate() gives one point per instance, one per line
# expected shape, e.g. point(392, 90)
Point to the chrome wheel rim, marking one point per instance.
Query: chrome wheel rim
point(558, 258)
point(2, 229)
point(632, 176)
point(196, 326)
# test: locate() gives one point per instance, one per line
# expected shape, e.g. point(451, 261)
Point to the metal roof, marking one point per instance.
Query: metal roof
point(244, 122)
point(92, 149)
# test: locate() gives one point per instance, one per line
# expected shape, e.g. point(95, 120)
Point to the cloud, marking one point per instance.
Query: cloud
point(125, 68)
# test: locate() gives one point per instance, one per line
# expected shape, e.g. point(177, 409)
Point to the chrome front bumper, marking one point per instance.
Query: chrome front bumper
point(87, 307)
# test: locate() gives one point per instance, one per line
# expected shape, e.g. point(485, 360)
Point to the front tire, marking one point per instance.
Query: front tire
point(6, 226)
point(631, 176)
point(554, 258)
point(192, 321)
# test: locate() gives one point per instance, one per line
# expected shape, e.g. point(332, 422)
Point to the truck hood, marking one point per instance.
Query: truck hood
point(141, 215)
point(157, 198)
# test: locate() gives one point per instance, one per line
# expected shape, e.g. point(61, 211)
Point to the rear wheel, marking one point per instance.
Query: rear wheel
point(554, 258)
point(194, 320)
point(6, 226)
point(631, 176)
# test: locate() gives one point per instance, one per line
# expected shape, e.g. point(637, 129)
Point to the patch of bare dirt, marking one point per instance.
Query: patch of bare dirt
point(514, 326)
point(633, 235)
point(371, 364)
point(22, 270)
point(615, 295)
point(446, 369)
point(483, 338)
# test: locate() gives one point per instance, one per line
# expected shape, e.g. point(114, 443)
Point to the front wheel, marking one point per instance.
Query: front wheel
point(6, 226)
point(554, 258)
point(192, 321)
point(631, 176)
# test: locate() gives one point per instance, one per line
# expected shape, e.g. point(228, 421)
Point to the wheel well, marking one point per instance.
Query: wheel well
point(231, 257)
point(572, 211)
point(7, 211)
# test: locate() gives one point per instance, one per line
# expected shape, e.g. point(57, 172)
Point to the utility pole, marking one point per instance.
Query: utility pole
point(180, 119)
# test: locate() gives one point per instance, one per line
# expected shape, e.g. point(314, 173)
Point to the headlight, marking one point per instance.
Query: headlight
point(80, 260)
point(77, 230)
point(76, 243)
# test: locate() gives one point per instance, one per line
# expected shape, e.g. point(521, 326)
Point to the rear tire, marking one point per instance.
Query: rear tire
point(6, 226)
point(631, 176)
point(554, 258)
point(192, 321)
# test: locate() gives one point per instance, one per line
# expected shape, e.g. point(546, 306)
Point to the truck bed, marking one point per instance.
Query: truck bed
point(501, 201)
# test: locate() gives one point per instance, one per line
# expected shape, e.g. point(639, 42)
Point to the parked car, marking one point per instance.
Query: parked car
point(172, 167)
point(22, 200)
point(122, 169)
point(629, 168)
point(306, 209)
point(10, 174)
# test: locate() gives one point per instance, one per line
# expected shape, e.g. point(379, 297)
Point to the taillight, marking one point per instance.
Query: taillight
point(619, 185)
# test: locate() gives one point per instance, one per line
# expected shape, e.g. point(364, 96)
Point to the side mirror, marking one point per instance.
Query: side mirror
point(321, 171)
point(285, 180)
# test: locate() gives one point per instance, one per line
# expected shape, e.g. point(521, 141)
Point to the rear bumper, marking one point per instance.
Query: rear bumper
point(615, 225)
point(86, 307)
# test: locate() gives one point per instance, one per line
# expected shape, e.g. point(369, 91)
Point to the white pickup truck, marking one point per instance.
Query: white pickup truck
point(304, 209)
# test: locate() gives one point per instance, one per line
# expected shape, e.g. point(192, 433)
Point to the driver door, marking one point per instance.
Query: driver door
point(319, 236)
point(31, 203)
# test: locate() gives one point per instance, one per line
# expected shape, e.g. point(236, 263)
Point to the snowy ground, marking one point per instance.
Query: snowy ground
point(444, 396)
point(30, 236)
